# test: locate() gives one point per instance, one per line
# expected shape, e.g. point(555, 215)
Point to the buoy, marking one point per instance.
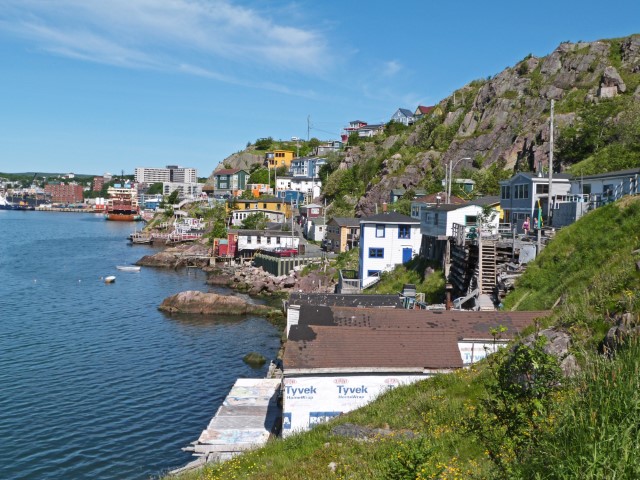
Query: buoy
point(110, 279)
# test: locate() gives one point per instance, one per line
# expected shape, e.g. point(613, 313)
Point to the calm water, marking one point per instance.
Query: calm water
point(95, 382)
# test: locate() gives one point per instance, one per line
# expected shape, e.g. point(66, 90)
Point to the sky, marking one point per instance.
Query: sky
point(94, 86)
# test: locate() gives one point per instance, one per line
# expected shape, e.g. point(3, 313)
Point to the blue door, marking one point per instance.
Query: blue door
point(407, 253)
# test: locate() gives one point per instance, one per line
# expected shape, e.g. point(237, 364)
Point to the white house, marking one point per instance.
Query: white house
point(315, 229)
point(337, 359)
point(404, 116)
point(386, 240)
point(438, 221)
point(252, 240)
point(238, 216)
point(520, 194)
point(592, 191)
point(307, 185)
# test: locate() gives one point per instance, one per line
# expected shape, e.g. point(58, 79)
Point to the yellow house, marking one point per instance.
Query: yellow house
point(278, 158)
point(275, 209)
point(342, 234)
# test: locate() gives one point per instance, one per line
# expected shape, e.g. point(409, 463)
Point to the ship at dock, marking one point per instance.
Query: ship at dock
point(122, 204)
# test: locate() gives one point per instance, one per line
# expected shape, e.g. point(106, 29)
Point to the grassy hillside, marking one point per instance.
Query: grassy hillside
point(476, 423)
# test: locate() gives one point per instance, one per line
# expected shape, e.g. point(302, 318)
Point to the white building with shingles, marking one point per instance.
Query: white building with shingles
point(386, 240)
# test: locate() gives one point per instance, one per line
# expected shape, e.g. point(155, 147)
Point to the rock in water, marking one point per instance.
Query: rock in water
point(210, 304)
point(254, 359)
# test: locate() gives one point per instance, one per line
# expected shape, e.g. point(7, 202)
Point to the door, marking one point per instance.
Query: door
point(407, 253)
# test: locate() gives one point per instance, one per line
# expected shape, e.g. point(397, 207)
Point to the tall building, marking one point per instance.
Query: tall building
point(61, 193)
point(172, 173)
point(98, 183)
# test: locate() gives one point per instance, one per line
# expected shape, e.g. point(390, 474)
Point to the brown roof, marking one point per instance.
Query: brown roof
point(424, 110)
point(461, 323)
point(310, 347)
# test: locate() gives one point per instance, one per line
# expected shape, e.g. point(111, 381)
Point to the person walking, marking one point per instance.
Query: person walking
point(526, 225)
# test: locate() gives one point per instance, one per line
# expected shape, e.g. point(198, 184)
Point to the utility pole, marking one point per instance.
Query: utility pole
point(550, 202)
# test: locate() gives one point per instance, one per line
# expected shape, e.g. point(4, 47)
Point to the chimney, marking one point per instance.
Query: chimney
point(384, 207)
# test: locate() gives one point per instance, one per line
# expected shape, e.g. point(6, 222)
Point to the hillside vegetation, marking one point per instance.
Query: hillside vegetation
point(501, 125)
point(479, 423)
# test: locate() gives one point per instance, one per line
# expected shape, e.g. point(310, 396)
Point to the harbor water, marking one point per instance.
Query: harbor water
point(95, 381)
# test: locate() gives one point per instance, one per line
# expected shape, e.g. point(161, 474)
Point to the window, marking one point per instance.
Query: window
point(379, 231)
point(264, 205)
point(259, 239)
point(505, 192)
point(278, 240)
point(371, 273)
point(376, 253)
point(268, 240)
point(586, 189)
point(521, 191)
point(435, 219)
point(470, 220)
point(404, 231)
point(249, 240)
point(246, 206)
point(542, 188)
point(278, 206)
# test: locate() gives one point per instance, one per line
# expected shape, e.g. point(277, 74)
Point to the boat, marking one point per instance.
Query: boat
point(128, 268)
point(122, 204)
point(6, 204)
point(110, 279)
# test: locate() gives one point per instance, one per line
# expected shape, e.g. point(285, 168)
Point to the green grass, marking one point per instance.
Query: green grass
point(590, 432)
point(413, 272)
point(597, 434)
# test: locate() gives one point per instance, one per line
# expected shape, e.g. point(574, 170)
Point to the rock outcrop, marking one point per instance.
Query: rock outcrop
point(255, 281)
point(178, 256)
point(210, 304)
point(506, 118)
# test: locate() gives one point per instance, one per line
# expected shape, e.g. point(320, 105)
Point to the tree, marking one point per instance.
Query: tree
point(155, 188)
point(259, 175)
point(314, 143)
point(173, 198)
point(264, 143)
point(255, 221)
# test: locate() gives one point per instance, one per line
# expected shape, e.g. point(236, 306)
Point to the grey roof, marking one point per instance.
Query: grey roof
point(389, 217)
point(264, 233)
point(323, 300)
point(465, 324)
point(448, 207)
point(618, 173)
point(346, 221)
point(406, 112)
point(487, 200)
point(534, 176)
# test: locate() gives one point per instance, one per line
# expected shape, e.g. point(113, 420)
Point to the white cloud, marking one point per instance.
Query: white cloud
point(163, 33)
point(391, 68)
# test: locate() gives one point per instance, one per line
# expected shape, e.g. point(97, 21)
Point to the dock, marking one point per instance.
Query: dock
point(249, 416)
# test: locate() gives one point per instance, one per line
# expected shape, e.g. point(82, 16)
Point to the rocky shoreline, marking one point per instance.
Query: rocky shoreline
point(241, 277)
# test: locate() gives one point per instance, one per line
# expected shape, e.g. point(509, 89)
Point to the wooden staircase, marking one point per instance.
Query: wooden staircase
point(488, 265)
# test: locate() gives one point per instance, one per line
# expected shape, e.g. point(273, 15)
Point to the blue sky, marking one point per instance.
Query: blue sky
point(89, 86)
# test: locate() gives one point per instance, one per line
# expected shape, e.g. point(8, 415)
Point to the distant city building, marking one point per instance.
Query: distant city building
point(187, 190)
point(61, 193)
point(98, 183)
point(172, 173)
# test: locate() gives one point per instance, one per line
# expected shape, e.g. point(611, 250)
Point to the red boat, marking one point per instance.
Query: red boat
point(122, 205)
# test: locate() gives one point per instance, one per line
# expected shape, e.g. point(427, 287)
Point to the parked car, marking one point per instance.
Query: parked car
point(286, 252)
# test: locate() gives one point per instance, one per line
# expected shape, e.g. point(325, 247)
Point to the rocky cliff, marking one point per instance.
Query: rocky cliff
point(505, 119)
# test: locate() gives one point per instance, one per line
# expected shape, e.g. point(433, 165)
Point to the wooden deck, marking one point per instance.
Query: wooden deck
point(248, 417)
